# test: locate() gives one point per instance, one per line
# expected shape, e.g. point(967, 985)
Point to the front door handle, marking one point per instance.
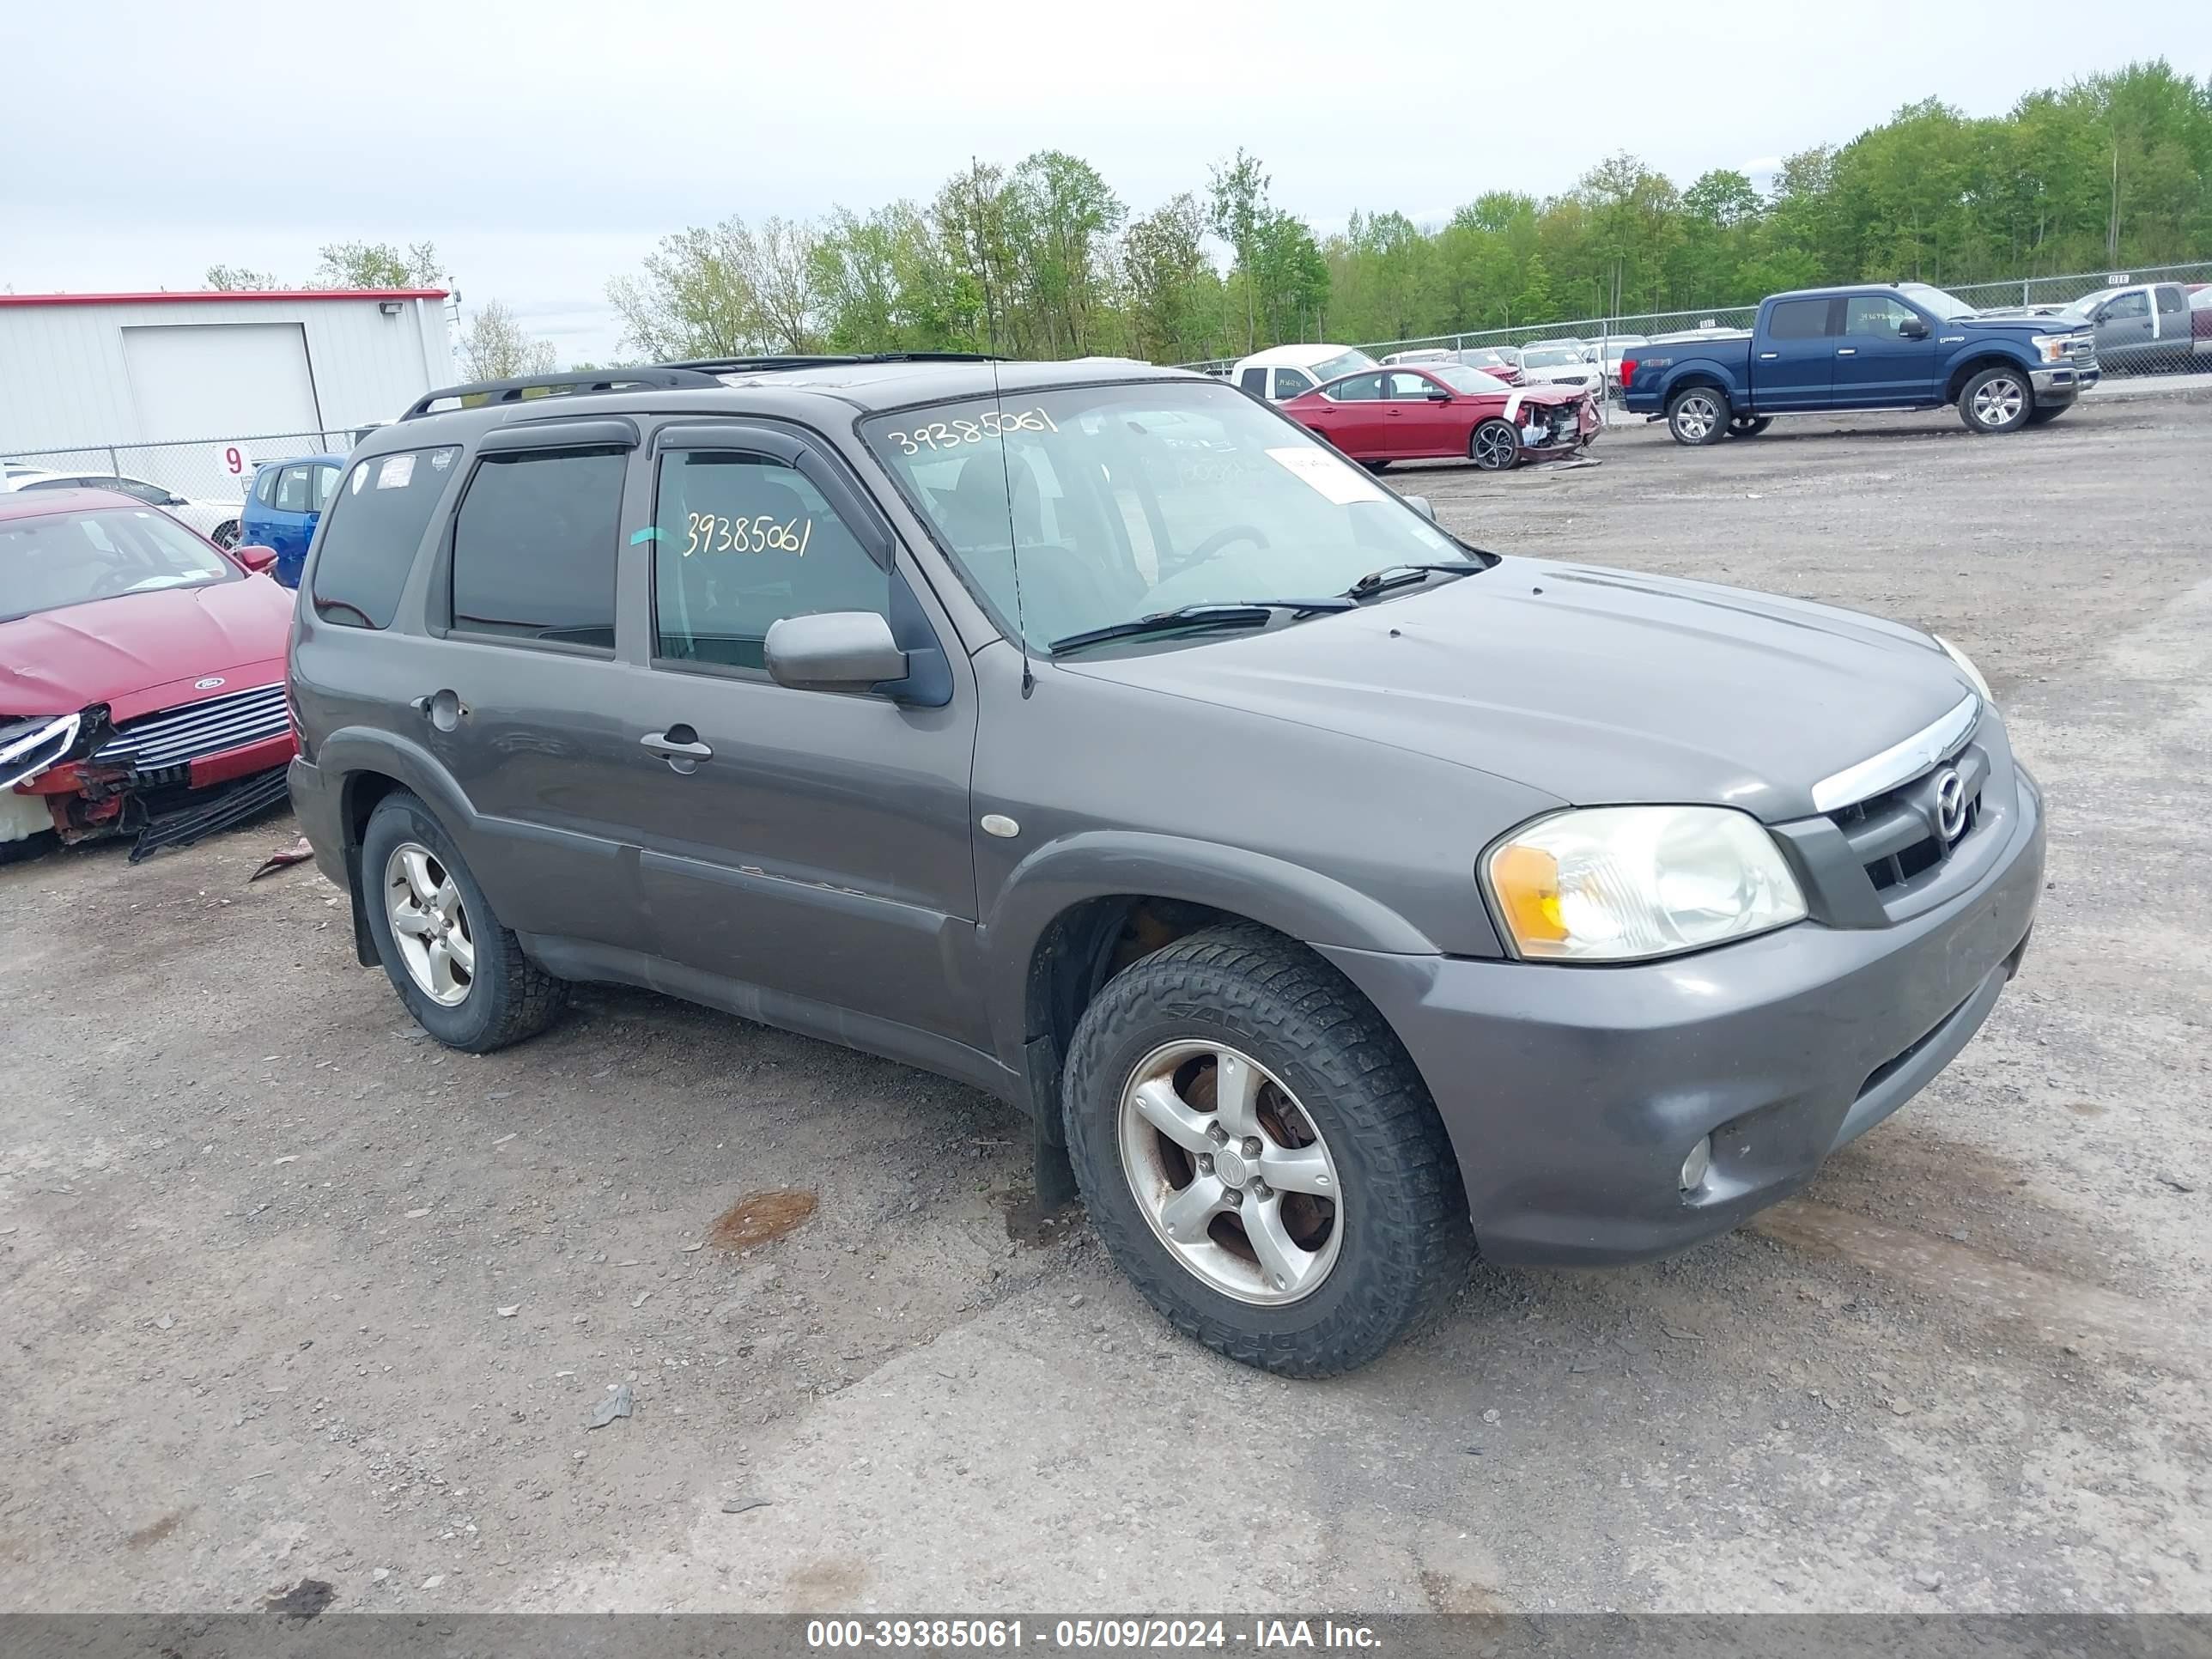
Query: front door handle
point(1847, 351)
point(1768, 357)
point(679, 746)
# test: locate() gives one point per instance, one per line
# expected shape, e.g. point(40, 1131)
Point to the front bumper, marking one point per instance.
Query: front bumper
point(2060, 383)
point(1572, 1093)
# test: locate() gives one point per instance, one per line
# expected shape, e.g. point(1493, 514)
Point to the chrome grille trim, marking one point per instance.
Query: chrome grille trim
point(1878, 773)
point(176, 736)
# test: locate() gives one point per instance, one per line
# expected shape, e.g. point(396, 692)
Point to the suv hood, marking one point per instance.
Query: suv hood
point(1598, 686)
point(122, 651)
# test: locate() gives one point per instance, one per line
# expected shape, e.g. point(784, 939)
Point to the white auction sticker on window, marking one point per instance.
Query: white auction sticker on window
point(1340, 481)
point(395, 472)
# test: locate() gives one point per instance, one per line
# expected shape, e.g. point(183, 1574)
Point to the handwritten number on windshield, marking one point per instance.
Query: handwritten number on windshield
point(950, 435)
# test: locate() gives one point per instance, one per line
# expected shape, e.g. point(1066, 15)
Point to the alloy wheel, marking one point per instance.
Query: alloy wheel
point(1231, 1172)
point(1999, 401)
point(429, 924)
point(1696, 416)
point(1496, 445)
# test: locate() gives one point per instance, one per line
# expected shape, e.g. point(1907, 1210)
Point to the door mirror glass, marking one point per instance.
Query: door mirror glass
point(833, 650)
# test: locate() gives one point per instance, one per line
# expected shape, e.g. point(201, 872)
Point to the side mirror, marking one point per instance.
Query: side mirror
point(1913, 329)
point(833, 651)
point(1438, 397)
point(255, 556)
point(1420, 505)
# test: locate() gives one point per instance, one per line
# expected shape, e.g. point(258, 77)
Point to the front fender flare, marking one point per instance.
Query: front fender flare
point(1296, 901)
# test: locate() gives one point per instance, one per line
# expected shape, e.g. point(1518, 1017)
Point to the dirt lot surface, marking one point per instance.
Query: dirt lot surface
point(288, 1291)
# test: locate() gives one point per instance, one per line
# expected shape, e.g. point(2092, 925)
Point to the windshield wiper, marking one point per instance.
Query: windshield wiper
point(1400, 575)
point(1214, 613)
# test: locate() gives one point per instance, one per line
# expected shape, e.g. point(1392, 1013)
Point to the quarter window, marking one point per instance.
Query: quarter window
point(1798, 319)
point(1254, 381)
point(744, 541)
point(534, 547)
point(265, 487)
point(374, 531)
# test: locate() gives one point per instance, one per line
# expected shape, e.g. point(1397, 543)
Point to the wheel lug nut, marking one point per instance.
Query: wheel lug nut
point(1205, 1164)
point(1236, 1196)
point(1219, 1135)
point(1260, 1189)
point(1252, 1148)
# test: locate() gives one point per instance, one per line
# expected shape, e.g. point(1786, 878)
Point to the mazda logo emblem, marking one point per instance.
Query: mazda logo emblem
point(1950, 806)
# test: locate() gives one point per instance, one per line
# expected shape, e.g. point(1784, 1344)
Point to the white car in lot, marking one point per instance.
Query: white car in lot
point(1284, 372)
point(216, 521)
point(1561, 362)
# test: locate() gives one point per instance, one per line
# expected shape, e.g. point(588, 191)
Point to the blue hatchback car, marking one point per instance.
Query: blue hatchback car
point(283, 507)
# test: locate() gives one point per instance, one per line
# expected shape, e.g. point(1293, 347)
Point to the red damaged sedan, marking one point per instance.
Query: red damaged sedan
point(1434, 409)
point(141, 675)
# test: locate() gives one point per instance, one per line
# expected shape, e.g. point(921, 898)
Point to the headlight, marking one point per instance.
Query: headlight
point(28, 747)
point(1966, 666)
point(1620, 884)
point(2054, 346)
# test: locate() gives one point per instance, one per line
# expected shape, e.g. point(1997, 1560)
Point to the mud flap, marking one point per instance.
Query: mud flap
point(233, 805)
point(1054, 1174)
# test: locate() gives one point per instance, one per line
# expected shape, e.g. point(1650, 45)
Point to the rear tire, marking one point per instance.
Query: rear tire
point(1328, 1088)
point(1698, 414)
point(1996, 399)
point(1748, 426)
point(1494, 445)
point(499, 996)
point(226, 535)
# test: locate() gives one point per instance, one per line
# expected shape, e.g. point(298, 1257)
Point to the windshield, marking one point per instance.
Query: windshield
point(1550, 357)
point(1945, 306)
point(2081, 308)
point(1485, 357)
point(1125, 500)
point(1469, 380)
point(1343, 363)
point(73, 558)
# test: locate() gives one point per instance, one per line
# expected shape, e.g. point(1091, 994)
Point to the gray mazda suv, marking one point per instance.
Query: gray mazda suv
point(1337, 899)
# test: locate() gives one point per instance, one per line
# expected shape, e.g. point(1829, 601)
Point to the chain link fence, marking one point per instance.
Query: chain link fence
point(1609, 334)
point(209, 477)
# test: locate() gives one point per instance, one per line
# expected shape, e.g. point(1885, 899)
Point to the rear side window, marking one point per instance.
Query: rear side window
point(2170, 300)
point(293, 490)
point(1798, 319)
point(1254, 381)
point(534, 547)
point(370, 533)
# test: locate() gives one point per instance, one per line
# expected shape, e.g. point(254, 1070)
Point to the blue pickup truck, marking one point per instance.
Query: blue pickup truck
point(1902, 345)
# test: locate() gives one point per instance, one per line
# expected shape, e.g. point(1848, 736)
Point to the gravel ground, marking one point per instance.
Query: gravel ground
point(288, 1292)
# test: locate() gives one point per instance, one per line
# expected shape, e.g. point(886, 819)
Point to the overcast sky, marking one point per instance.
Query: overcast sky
point(546, 147)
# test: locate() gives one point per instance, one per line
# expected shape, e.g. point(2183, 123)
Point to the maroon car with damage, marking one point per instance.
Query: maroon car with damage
point(141, 675)
point(1434, 411)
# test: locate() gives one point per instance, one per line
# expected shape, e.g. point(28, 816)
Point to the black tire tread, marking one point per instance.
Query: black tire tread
point(1291, 1002)
point(1966, 403)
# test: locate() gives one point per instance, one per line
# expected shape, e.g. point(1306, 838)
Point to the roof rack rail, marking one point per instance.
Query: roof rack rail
point(748, 365)
point(531, 388)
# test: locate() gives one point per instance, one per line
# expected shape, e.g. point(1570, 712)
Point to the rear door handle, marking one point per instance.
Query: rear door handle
point(1847, 351)
point(1768, 357)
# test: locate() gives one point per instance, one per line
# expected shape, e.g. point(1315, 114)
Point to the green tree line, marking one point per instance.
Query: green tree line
point(1045, 259)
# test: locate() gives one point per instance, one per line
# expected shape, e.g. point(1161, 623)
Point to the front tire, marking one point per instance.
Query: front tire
point(1697, 415)
point(1996, 399)
point(1261, 1156)
point(463, 976)
point(1494, 445)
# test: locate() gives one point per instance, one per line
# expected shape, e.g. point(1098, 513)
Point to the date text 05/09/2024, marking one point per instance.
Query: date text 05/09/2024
point(1068, 1635)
